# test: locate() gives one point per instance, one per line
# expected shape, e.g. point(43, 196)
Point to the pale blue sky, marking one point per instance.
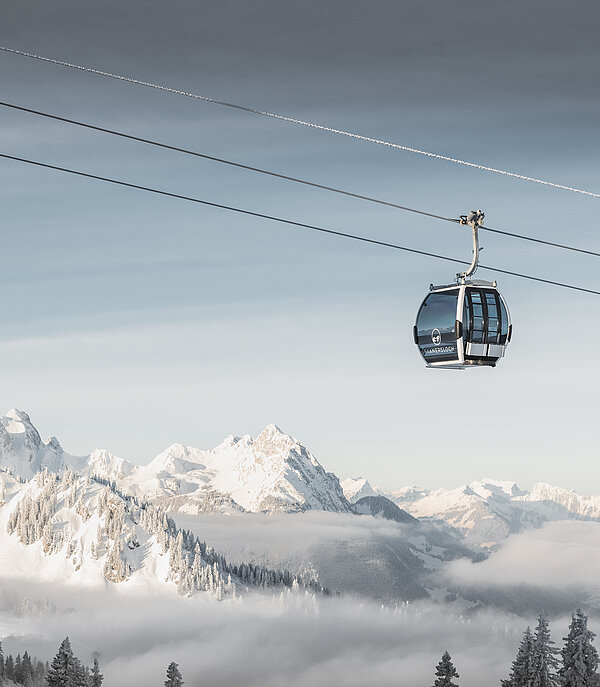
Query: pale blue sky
point(132, 321)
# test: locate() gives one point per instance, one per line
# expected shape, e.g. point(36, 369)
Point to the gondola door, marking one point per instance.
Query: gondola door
point(435, 331)
point(485, 335)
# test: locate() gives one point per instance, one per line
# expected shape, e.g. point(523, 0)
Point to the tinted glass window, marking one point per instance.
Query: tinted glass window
point(504, 317)
point(438, 312)
point(466, 320)
point(436, 323)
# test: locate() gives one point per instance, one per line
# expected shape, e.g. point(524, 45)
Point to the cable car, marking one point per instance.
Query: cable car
point(466, 324)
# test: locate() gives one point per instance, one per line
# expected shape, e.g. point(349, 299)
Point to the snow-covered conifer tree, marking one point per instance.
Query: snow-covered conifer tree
point(229, 587)
point(9, 668)
point(543, 656)
point(18, 669)
point(79, 675)
point(521, 667)
point(62, 665)
point(445, 671)
point(48, 538)
point(176, 562)
point(115, 568)
point(174, 678)
point(96, 676)
point(26, 669)
point(68, 478)
point(580, 658)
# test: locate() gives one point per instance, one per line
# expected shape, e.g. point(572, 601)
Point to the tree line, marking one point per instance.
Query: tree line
point(65, 670)
point(539, 663)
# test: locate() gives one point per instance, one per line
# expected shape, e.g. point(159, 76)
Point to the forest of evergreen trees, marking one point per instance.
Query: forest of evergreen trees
point(538, 663)
point(194, 566)
point(65, 670)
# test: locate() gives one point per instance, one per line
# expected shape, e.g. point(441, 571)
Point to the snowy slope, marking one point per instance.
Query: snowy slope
point(72, 547)
point(483, 511)
point(557, 503)
point(73, 530)
point(380, 506)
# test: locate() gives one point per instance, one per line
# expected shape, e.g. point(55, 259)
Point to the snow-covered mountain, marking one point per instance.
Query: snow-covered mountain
point(488, 511)
point(382, 507)
point(23, 453)
point(86, 520)
point(271, 472)
point(75, 530)
point(356, 488)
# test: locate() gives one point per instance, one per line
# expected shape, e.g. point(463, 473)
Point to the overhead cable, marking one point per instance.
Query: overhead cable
point(293, 223)
point(293, 120)
point(281, 176)
point(225, 162)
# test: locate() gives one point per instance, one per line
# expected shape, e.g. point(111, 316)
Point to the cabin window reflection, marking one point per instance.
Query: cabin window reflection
point(438, 312)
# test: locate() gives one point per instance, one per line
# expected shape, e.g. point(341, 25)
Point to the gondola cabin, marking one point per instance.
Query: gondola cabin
point(462, 326)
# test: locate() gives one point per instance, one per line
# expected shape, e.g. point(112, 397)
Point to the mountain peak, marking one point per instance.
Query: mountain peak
point(17, 422)
point(356, 488)
point(19, 415)
point(271, 431)
point(54, 443)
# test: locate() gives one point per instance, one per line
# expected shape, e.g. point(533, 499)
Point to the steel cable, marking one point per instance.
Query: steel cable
point(293, 120)
point(293, 223)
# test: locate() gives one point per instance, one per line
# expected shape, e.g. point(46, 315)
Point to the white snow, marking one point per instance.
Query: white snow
point(271, 472)
point(355, 488)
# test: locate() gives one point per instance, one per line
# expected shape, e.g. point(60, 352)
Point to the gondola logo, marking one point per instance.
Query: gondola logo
point(436, 337)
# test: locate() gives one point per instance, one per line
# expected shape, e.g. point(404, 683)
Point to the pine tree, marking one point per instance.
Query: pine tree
point(521, 666)
point(580, 658)
point(39, 674)
point(445, 671)
point(18, 669)
point(543, 656)
point(96, 677)
point(1, 663)
point(78, 676)
point(62, 666)
point(174, 678)
point(26, 669)
point(9, 668)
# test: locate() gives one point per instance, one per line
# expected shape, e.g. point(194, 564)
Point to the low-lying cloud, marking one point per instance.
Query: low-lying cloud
point(561, 555)
point(264, 641)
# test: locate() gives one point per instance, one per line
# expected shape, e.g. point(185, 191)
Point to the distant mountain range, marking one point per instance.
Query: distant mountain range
point(274, 472)
point(66, 519)
point(487, 511)
point(270, 473)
